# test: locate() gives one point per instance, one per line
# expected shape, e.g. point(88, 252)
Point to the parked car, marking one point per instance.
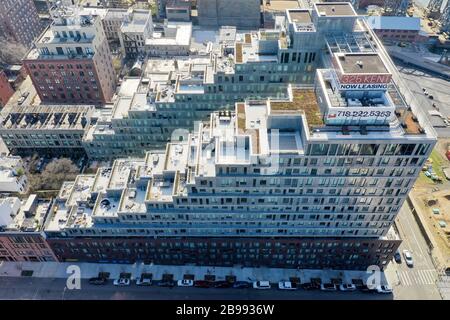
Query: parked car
point(242, 285)
point(408, 258)
point(140, 281)
point(222, 284)
point(287, 285)
point(261, 285)
point(308, 286)
point(97, 281)
point(185, 283)
point(122, 282)
point(447, 271)
point(384, 289)
point(203, 284)
point(431, 97)
point(397, 257)
point(328, 287)
point(347, 287)
point(168, 283)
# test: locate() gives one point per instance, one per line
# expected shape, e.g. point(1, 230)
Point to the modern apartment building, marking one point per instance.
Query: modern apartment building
point(50, 130)
point(275, 183)
point(19, 21)
point(313, 178)
point(71, 61)
point(174, 93)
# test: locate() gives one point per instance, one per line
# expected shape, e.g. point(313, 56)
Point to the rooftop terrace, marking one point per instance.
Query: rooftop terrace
point(303, 100)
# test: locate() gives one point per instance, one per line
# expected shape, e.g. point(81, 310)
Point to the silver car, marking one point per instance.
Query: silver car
point(408, 258)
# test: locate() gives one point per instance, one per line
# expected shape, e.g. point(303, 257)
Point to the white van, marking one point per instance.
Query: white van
point(261, 285)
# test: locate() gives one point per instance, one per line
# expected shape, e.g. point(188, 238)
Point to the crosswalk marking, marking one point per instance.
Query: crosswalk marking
point(418, 277)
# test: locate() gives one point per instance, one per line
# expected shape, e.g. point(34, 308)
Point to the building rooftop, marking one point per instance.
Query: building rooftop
point(31, 216)
point(299, 16)
point(123, 172)
point(280, 5)
point(394, 23)
point(335, 9)
point(175, 34)
point(46, 117)
point(81, 190)
point(137, 21)
point(304, 100)
point(362, 63)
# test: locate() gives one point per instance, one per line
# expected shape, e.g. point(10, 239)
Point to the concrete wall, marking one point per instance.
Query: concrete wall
point(239, 13)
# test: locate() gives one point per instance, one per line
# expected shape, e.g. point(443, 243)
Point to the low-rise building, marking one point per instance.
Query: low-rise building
point(397, 28)
point(136, 28)
point(6, 91)
point(112, 22)
point(21, 235)
point(174, 40)
point(12, 175)
point(45, 129)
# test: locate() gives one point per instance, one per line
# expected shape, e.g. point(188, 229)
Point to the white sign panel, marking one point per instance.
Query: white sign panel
point(361, 86)
point(366, 115)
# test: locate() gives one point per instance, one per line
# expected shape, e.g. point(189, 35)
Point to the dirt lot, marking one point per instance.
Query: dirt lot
point(430, 195)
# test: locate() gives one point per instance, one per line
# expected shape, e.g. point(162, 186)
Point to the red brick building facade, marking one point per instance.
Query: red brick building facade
point(6, 91)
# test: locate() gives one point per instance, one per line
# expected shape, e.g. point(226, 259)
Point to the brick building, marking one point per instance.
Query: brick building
point(72, 61)
point(6, 91)
point(19, 21)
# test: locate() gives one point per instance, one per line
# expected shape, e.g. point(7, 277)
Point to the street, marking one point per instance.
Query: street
point(418, 282)
point(55, 289)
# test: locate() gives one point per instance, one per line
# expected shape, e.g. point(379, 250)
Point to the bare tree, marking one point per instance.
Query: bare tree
point(54, 174)
point(11, 52)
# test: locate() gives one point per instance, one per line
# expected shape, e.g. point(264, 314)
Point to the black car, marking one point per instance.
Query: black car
point(308, 286)
point(222, 284)
point(447, 271)
point(97, 281)
point(398, 257)
point(242, 285)
point(431, 97)
point(169, 284)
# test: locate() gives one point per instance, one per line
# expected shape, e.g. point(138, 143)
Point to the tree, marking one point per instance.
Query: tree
point(54, 174)
point(11, 52)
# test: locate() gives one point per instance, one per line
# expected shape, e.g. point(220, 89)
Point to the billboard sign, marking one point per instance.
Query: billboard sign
point(365, 78)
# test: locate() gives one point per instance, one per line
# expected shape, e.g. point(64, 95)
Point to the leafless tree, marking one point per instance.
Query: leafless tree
point(54, 174)
point(11, 52)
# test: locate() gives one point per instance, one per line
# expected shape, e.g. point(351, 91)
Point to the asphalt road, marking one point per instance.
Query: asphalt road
point(418, 282)
point(55, 289)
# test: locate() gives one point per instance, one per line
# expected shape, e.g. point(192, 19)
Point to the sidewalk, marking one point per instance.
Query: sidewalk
point(89, 270)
